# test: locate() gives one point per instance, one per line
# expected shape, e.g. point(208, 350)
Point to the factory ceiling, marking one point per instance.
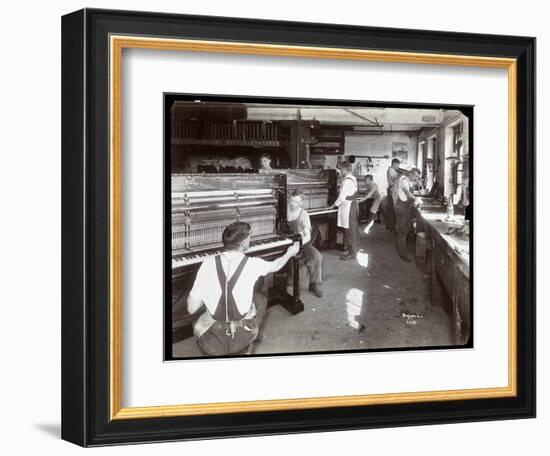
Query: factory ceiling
point(362, 119)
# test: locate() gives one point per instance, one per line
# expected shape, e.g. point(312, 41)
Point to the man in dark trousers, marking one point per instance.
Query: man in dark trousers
point(392, 176)
point(225, 285)
point(298, 222)
point(404, 210)
point(347, 211)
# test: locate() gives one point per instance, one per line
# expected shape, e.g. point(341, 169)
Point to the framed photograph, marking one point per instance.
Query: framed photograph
point(277, 227)
point(241, 163)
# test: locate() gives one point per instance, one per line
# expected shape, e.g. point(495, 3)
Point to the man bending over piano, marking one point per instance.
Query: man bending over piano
point(225, 285)
point(374, 195)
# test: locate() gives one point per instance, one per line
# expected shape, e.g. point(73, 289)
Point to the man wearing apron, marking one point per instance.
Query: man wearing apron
point(347, 211)
point(404, 210)
point(225, 286)
point(298, 222)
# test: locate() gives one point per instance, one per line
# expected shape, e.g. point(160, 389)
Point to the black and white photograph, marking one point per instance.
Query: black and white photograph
point(316, 226)
point(275, 228)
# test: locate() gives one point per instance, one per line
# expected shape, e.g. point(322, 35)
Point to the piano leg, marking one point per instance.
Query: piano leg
point(297, 305)
point(277, 293)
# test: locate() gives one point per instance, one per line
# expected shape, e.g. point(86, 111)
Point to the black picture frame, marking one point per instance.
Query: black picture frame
point(86, 255)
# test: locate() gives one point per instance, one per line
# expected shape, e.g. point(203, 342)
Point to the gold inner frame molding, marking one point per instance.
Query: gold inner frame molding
point(117, 45)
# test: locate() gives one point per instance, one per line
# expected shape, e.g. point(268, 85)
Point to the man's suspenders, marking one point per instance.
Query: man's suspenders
point(227, 309)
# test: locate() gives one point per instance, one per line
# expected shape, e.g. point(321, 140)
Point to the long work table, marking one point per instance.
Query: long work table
point(449, 265)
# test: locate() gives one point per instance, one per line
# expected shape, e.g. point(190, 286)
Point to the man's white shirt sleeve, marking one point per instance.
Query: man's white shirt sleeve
point(201, 283)
point(261, 267)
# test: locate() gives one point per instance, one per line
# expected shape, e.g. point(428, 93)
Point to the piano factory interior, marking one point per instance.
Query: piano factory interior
point(376, 198)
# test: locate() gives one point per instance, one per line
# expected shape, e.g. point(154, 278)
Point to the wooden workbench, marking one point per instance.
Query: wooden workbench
point(449, 266)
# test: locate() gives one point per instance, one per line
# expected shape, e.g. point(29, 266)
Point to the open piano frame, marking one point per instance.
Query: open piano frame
point(200, 207)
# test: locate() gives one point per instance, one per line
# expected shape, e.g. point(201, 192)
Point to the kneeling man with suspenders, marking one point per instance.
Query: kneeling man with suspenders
point(225, 285)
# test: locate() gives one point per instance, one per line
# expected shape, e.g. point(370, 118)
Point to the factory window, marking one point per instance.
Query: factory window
point(430, 165)
point(458, 160)
point(458, 131)
point(420, 157)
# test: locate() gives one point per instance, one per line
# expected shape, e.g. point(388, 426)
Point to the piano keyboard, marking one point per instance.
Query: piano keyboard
point(256, 246)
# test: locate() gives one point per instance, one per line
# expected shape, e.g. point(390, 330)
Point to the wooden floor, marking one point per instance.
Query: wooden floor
point(397, 311)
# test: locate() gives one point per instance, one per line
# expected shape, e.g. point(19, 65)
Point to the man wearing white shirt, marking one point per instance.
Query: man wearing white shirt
point(225, 285)
point(347, 211)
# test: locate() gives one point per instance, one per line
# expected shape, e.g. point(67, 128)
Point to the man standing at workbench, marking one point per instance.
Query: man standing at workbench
point(347, 211)
point(393, 176)
point(404, 205)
